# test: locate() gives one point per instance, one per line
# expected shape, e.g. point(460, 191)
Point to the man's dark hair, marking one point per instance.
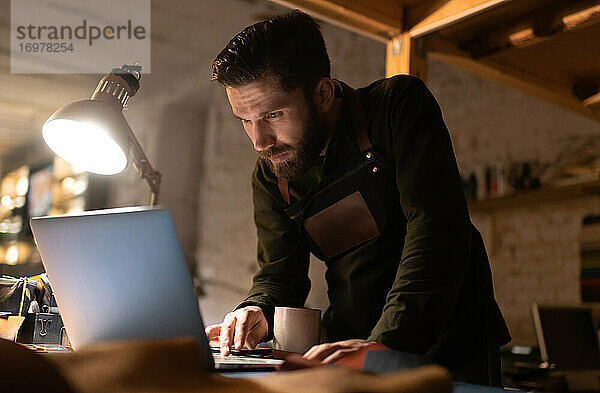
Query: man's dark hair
point(289, 47)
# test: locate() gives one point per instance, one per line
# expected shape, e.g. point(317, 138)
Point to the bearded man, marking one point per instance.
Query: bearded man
point(367, 181)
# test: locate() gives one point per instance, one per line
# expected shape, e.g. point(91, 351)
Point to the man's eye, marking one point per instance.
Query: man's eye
point(272, 115)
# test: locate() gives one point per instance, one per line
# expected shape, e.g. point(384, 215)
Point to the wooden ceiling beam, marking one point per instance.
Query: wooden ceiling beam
point(518, 79)
point(380, 19)
point(593, 103)
point(532, 28)
point(427, 17)
point(405, 55)
point(582, 19)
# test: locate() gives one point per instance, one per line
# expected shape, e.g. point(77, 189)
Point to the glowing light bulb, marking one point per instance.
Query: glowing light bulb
point(68, 183)
point(80, 186)
point(22, 185)
point(85, 145)
point(6, 201)
point(12, 255)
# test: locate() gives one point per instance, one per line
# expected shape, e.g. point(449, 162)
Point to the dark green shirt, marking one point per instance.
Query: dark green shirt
point(424, 285)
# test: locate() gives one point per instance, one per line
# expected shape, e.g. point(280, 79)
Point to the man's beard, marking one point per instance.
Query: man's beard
point(302, 155)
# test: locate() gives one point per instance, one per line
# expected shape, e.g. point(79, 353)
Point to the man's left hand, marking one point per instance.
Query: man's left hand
point(331, 352)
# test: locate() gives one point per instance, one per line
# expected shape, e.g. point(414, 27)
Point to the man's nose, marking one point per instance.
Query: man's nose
point(263, 138)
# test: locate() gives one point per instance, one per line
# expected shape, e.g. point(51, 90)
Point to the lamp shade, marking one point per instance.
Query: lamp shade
point(89, 134)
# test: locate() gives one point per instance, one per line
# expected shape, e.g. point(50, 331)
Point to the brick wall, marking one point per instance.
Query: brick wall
point(533, 249)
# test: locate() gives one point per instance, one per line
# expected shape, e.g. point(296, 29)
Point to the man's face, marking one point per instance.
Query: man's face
point(283, 126)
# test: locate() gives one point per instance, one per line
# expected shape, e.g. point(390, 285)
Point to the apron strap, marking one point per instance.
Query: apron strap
point(358, 119)
point(360, 129)
point(284, 189)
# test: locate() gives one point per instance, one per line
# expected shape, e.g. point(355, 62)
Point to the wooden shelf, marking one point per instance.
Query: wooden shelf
point(547, 194)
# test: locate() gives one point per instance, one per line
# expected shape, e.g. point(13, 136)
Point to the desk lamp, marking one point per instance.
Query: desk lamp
point(93, 134)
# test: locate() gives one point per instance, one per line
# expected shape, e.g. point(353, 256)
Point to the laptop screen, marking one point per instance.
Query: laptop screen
point(567, 337)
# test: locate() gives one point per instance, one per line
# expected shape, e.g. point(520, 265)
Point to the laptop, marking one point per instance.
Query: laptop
point(568, 343)
point(120, 274)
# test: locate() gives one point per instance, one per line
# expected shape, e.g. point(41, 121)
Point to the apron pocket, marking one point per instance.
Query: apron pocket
point(343, 225)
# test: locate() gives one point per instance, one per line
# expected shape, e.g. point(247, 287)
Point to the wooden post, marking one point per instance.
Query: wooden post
point(405, 55)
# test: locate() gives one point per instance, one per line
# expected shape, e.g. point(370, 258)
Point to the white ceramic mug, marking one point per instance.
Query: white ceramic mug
point(296, 329)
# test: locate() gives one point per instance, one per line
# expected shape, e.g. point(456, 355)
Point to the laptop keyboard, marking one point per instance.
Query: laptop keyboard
point(240, 359)
point(258, 357)
point(47, 348)
point(245, 356)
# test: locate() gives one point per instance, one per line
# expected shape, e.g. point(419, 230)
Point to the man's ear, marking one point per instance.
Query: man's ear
point(324, 95)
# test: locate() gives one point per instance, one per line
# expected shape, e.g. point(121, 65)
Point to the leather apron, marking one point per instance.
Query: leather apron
point(346, 209)
point(352, 220)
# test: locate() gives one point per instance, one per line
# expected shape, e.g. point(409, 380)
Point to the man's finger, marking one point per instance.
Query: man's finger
point(241, 330)
point(226, 336)
point(337, 355)
point(312, 350)
point(212, 332)
point(315, 349)
point(322, 351)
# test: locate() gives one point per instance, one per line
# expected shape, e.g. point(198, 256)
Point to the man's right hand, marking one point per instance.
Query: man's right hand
point(245, 327)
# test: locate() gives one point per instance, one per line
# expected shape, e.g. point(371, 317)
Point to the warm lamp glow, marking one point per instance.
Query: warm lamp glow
point(84, 145)
point(12, 255)
point(22, 186)
point(6, 201)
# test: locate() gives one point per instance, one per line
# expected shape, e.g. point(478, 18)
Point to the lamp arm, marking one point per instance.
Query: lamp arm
point(143, 167)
